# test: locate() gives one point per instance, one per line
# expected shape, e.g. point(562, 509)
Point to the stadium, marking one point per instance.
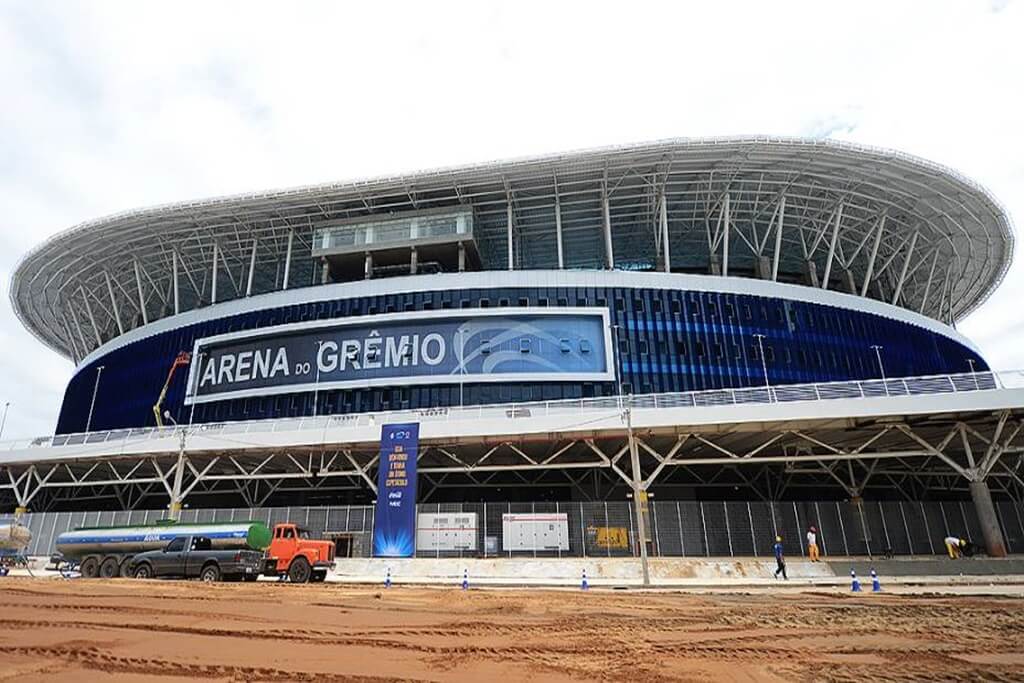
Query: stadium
point(735, 321)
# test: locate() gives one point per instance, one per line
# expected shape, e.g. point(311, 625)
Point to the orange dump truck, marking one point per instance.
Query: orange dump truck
point(294, 554)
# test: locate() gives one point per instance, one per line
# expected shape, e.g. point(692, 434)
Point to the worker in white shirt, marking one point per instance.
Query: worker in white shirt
point(954, 546)
point(812, 544)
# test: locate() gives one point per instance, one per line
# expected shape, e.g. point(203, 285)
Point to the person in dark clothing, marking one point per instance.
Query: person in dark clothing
point(780, 559)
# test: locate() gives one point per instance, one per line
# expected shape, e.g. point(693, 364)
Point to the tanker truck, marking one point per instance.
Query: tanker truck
point(108, 551)
point(14, 541)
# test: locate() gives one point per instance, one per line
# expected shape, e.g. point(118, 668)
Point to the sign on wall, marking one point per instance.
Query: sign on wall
point(535, 531)
point(394, 520)
point(424, 347)
point(446, 531)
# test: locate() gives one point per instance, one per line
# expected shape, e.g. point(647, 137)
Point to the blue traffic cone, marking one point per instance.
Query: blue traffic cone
point(465, 579)
point(855, 587)
point(584, 585)
point(387, 579)
point(876, 587)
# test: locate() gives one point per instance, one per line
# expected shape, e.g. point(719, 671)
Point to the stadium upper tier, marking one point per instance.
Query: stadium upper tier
point(819, 213)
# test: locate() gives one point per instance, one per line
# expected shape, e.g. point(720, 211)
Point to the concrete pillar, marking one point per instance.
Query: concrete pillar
point(413, 261)
point(368, 266)
point(462, 257)
point(995, 545)
point(812, 274)
point(763, 266)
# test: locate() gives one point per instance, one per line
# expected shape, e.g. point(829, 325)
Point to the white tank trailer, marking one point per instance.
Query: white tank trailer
point(106, 551)
point(14, 539)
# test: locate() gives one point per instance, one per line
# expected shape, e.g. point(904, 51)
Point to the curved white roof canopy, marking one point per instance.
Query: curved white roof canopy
point(880, 223)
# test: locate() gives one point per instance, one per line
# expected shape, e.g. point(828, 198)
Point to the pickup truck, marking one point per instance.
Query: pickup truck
point(193, 556)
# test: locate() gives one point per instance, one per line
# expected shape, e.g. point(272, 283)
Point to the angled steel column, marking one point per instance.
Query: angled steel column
point(174, 275)
point(725, 235)
point(508, 231)
point(113, 303)
point(832, 247)
point(903, 272)
point(142, 298)
point(92, 318)
point(663, 211)
point(608, 249)
point(288, 259)
point(252, 269)
point(213, 276)
point(639, 494)
point(778, 239)
point(880, 228)
point(558, 229)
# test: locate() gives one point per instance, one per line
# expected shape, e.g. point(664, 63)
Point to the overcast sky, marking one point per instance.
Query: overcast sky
point(106, 106)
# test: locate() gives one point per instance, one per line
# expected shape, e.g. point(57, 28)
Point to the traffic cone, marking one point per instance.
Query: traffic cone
point(465, 579)
point(387, 579)
point(584, 585)
point(855, 587)
point(876, 587)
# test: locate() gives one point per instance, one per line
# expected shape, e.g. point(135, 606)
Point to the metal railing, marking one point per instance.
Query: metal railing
point(785, 393)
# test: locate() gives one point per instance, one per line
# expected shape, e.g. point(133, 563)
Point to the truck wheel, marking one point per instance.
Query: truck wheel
point(211, 572)
point(299, 571)
point(109, 568)
point(90, 567)
point(143, 571)
point(126, 568)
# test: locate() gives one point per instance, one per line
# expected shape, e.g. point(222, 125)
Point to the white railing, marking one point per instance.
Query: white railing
point(785, 393)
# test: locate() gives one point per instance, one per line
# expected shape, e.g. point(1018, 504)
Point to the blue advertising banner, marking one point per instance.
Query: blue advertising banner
point(394, 520)
point(424, 347)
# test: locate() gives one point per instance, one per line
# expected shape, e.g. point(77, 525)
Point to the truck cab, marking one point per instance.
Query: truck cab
point(294, 554)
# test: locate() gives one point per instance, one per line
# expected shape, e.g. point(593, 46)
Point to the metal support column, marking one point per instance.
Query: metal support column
point(778, 239)
point(995, 544)
point(174, 509)
point(213, 276)
point(903, 272)
point(113, 303)
point(252, 269)
point(832, 247)
point(288, 259)
point(639, 494)
point(607, 212)
point(663, 213)
point(725, 235)
point(558, 229)
point(508, 231)
point(174, 277)
point(879, 229)
point(142, 298)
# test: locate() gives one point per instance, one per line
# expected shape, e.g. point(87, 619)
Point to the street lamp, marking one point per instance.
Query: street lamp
point(764, 364)
point(3, 420)
point(881, 368)
point(970, 362)
point(92, 404)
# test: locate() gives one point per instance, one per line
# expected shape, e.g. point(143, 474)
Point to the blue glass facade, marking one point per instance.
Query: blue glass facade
point(668, 340)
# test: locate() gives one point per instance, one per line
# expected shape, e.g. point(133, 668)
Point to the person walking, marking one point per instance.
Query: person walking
point(954, 546)
point(812, 545)
point(780, 559)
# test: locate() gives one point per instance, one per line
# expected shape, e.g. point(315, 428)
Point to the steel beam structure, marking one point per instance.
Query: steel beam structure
point(606, 208)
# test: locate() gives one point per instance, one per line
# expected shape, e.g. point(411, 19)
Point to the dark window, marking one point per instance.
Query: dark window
point(681, 348)
point(485, 303)
point(523, 301)
point(623, 346)
point(638, 304)
point(698, 348)
point(717, 349)
point(730, 311)
point(769, 354)
point(562, 301)
point(677, 307)
point(656, 305)
point(464, 303)
point(737, 352)
point(177, 545)
point(503, 302)
point(644, 347)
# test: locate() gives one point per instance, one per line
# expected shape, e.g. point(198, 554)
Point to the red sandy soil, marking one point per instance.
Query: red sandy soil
point(161, 631)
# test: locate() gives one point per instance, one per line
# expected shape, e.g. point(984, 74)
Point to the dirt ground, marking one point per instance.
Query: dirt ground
point(160, 631)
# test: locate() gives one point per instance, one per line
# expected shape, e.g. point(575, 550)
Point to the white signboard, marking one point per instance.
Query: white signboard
point(446, 531)
point(535, 531)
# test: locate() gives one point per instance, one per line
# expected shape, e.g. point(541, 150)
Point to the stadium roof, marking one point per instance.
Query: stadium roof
point(873, 222)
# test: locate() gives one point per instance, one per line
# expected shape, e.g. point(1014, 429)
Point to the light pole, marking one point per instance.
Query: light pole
point(764, 364)
point(970, 362)
point(174, 511)
point(92, 404)
point(881, 368)
point(3, 420)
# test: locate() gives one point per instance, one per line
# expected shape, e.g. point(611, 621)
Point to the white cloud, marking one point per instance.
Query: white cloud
point(113, 105)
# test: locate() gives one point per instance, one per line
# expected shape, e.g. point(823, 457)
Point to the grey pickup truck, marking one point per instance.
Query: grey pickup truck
point(194, 557)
